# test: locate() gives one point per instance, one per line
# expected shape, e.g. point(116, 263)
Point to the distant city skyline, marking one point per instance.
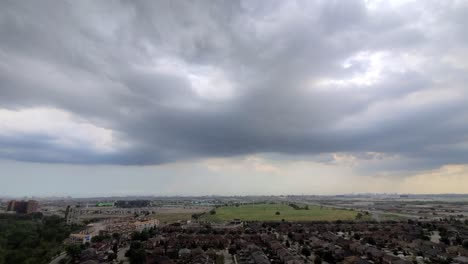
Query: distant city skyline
point(233, 97)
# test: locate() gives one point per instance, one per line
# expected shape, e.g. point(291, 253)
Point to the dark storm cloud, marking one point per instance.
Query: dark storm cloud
point(181, 80)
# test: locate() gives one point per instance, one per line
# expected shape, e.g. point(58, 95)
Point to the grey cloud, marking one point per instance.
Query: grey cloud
point(97, 60)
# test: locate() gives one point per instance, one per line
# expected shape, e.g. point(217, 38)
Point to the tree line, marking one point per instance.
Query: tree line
point(32, 238)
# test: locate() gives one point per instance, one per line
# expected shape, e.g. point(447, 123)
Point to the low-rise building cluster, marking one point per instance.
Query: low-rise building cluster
point(404, 242)
point(124, 227)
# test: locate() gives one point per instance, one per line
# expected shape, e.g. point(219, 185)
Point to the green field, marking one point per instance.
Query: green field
point(267, 212)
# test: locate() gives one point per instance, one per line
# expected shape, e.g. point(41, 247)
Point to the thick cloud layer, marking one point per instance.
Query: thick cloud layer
point(151, 82)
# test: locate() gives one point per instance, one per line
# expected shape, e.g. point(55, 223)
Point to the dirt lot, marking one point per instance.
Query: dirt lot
point(174, 214)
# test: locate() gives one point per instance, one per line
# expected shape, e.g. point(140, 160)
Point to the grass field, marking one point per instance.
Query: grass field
point(267, 212)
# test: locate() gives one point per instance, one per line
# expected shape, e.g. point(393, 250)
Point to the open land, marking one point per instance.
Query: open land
point(268, 212)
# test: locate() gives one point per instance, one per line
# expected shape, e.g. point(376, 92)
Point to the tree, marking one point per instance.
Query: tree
point(232, 250)
point(219, 259)
point(136, 254)
point(465, 244)
point(99, 238)
point(369, 240)
point(115, 248)
point(31, 238)
point(116, 236)
point(140, 236)
point(359, 216)
point(306, 252)
point(445, 240)
point(111, 256)
point(144, 235)
point(73, 251)
point(15, 257)
point(328, 257)
point(277, 213)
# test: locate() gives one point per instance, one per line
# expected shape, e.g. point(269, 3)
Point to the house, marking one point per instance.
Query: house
point(389, 259)
point(355, 260)
point(184, 253)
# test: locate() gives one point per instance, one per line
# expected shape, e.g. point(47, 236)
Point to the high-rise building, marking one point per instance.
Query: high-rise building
point(72, 215)
point(11, 205)
point(23, 207)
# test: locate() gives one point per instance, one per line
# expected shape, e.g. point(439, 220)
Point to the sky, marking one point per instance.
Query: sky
point(233, 97)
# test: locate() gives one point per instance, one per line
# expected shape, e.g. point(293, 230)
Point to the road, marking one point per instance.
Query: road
point(227, 257)
point(121, 254)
